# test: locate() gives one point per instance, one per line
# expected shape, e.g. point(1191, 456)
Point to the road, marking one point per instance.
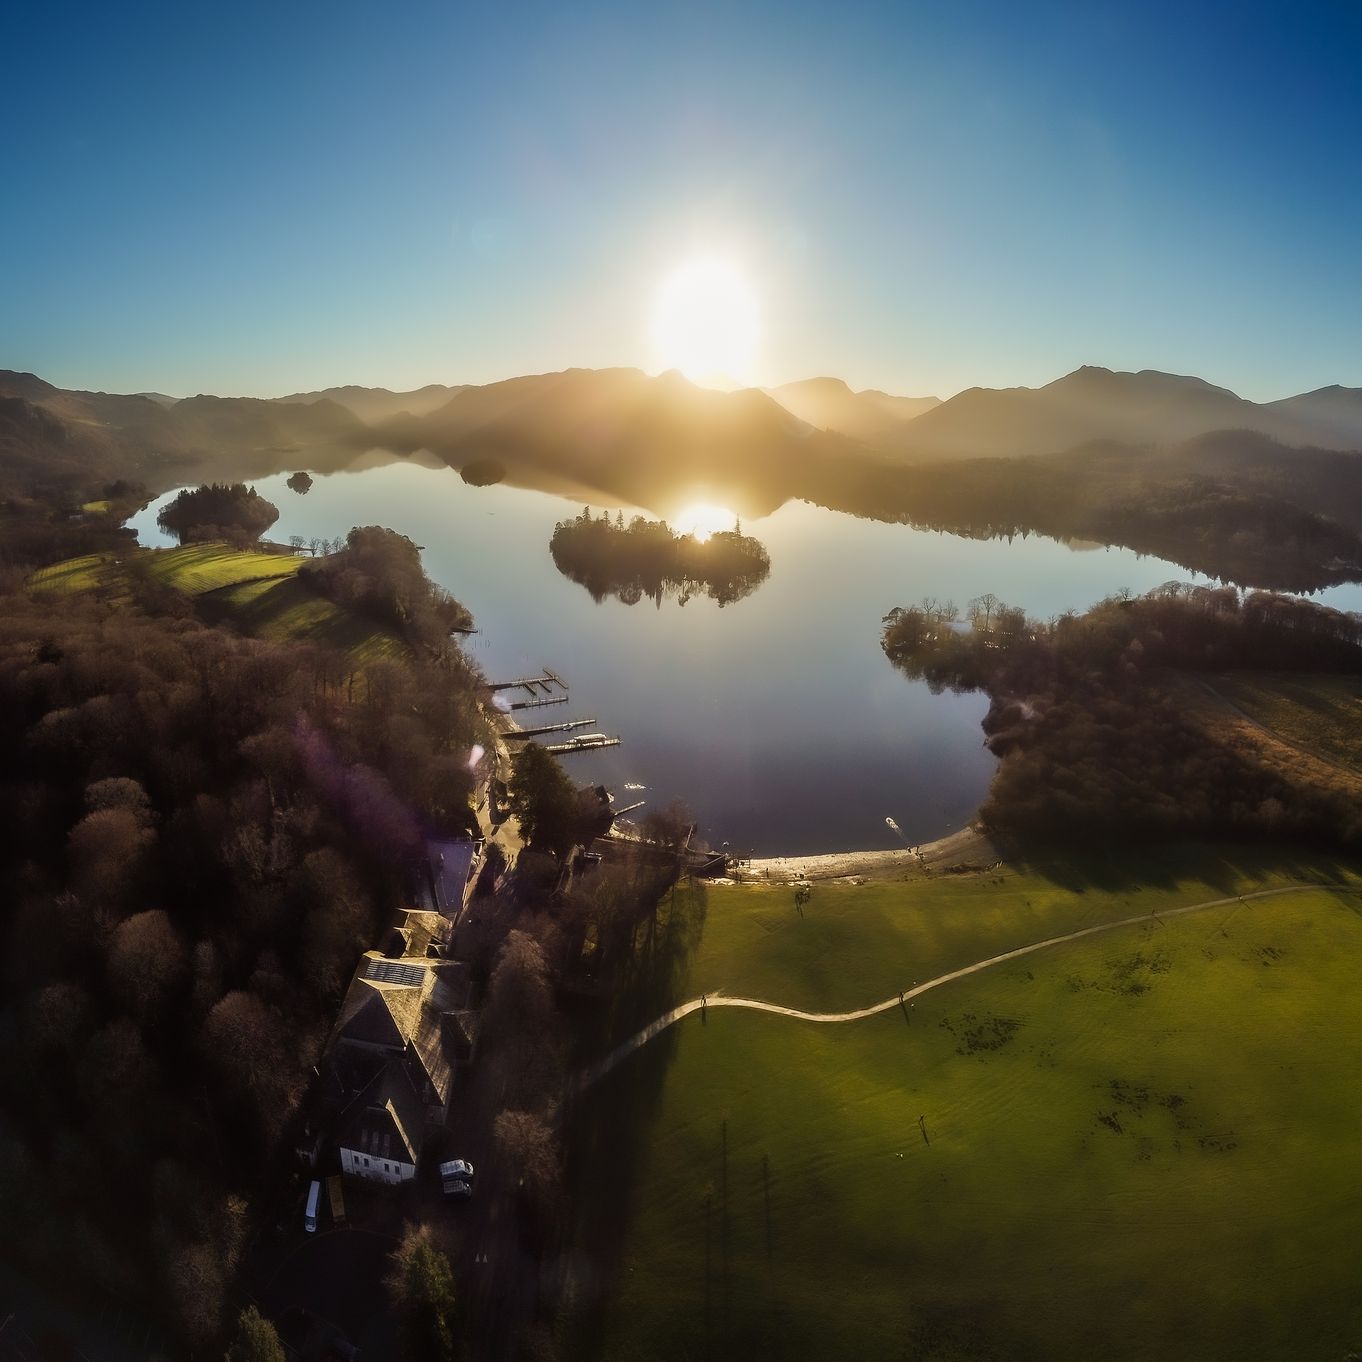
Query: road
point(593, 1073)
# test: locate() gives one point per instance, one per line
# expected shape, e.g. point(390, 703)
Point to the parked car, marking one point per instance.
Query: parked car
point(456, 1178)
point(314, 1195)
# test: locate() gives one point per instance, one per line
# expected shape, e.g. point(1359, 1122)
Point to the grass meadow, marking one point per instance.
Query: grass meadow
point(258, 592)
point(1321, 713)
point(1142, 1144)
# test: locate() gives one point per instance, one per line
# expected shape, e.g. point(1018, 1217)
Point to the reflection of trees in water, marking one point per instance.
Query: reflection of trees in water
point(649, 558)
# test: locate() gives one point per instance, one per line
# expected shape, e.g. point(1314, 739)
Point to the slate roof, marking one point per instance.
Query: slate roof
point(448, 866)
point(461, 1034)
point(387, 1118)
point(376, 1013)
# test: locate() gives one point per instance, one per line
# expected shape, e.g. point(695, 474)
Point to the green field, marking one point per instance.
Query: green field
point(259, 592)
point(1320, 713)
point(192, 568)
point(1142, 1144)
point(287, 611)
point(198, 568)
point(86, 573)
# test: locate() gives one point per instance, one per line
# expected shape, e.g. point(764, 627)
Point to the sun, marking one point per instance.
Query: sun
point(705, 322)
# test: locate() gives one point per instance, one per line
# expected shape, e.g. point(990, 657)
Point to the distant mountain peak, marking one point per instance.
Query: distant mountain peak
point(829, 403)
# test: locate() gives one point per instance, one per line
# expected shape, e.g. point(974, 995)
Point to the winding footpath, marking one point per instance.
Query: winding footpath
point(595, 1072)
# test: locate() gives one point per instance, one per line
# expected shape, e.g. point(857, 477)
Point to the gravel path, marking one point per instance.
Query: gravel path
point(597, 1071)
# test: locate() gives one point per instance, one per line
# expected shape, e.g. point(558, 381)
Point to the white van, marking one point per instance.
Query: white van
point(314, 1196)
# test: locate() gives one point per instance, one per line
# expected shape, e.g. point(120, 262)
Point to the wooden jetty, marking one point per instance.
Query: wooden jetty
point(539, 704)
point(550, 728)
point(586, 743)
point(536, 685)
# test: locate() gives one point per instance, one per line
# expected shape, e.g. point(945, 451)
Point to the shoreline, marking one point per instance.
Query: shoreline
point(968, 847)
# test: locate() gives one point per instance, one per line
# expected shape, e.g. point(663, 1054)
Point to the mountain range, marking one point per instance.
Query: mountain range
point(630, 436)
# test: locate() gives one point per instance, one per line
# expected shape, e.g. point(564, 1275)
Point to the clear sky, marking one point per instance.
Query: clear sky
point(261, 198)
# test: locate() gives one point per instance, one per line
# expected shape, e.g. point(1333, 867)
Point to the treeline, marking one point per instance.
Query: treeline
point(1091, 740)
point(647, 558)
point(565, 949)
point(232, 512)
point(378, 573)
point(1283, 519)
point(198, 835)
point(66, 518)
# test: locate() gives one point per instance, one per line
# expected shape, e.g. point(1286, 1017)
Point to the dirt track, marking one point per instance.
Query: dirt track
point(621, 1052)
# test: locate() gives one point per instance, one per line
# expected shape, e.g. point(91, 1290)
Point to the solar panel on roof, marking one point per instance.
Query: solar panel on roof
point(395, 972)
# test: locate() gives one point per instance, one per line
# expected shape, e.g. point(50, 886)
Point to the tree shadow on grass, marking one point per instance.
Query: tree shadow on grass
point(1222, 865)
point(608, 1124)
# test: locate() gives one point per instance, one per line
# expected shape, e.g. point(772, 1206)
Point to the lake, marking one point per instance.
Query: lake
point(776, 718)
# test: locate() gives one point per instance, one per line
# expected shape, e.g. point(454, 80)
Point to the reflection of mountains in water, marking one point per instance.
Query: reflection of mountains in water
point(1257, 493)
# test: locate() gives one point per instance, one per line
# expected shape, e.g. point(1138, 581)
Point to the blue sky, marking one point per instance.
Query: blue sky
point(924, 197)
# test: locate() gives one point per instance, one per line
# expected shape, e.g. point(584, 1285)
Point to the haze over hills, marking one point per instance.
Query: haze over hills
point(626, 434)
point(1142, 408)
point(52, 433)
point(1334, 409)
point(380, 404)
point(629, 436)
point(829, 404)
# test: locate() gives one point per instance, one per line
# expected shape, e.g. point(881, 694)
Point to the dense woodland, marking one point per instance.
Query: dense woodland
point(66, 518)
point(1092, 741)
point(200, 832)
point(1232, 506)
point(378, 573)
point(647, 558)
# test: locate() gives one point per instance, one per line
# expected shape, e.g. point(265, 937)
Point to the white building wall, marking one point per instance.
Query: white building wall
point(391, 1171)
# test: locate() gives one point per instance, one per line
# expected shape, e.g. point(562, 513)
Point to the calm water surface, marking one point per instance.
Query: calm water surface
point(778, 718)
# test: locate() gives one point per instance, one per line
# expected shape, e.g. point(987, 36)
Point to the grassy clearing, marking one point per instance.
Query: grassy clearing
point(857, 944)
point(199, 568)
point(1141, 1145)
point(193, 569)
point(97, 507)
point(87, 573)
point(258, 592)
point(287, 611)
point(1321, 713)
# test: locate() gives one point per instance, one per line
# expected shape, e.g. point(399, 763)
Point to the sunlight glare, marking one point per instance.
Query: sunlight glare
point(705, 322)
point(702, 519)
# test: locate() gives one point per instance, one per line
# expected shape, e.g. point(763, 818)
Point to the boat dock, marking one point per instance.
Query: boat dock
point(550, 728)
point(544, 684)
point(548, 688)
point(587, 742)
point(539, 704)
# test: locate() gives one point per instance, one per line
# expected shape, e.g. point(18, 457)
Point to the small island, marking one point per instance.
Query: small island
point(232, 512)
point(300, 482)
point(483, 472)
point(649, 558)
